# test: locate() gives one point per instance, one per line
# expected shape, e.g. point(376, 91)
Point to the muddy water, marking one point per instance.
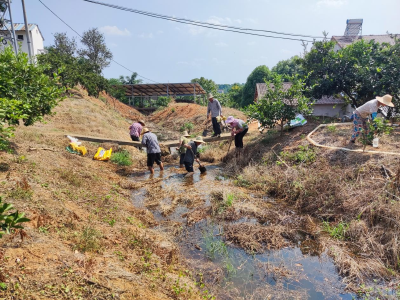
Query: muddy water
point(297, 272)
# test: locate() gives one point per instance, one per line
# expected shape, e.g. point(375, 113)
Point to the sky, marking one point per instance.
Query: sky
point(166, 51)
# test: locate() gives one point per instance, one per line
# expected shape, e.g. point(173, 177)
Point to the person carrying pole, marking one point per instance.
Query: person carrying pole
point(239, 129)
point(191, 152)
point(214, 109)
point(149, 140)
point(361, 115)
point(182, 149)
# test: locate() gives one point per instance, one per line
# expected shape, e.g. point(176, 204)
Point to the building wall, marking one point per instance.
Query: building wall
point(36, 40)
point(329, 110)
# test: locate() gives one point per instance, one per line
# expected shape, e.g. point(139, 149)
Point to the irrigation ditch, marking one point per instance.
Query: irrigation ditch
point(238, 244)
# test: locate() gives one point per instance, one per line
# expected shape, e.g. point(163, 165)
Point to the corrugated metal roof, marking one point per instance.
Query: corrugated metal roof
point(344, 41)
point(21, 27)
point(261, 90)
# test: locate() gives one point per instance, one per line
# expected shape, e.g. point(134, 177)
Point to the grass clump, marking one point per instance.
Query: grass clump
point(22, 190)
point(122, 158)
point(331, 128)
point(70, 177)
point(338, 231)
point(88, 240)
point(305, 155)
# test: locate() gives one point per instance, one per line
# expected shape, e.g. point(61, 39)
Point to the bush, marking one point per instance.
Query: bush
point(10, 221)
point(26, 92)
point(122, 158)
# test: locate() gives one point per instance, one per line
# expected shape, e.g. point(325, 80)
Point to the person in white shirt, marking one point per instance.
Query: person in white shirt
point(361, 114)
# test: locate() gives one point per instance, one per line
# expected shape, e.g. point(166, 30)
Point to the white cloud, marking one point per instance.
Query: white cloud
point(114, 30)
point(221, 44)
point(146, 35)
point(331, 3)
point(252, 43)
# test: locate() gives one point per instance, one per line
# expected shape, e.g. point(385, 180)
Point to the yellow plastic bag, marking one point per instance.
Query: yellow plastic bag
point(219, 119)
point(81, 149)
point(102, 154)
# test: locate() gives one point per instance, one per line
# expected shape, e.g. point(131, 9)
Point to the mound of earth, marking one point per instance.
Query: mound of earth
point(174, 116)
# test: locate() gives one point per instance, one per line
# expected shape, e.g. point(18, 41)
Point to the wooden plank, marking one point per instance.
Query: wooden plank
point(169, 144)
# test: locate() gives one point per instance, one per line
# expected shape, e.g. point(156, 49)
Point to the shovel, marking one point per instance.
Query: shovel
point(201, 168)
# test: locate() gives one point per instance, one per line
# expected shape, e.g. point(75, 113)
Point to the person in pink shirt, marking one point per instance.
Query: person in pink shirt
point(136, 129)
point(239, 129)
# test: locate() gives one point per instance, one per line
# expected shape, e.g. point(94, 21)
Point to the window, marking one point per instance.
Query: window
point(20, 37)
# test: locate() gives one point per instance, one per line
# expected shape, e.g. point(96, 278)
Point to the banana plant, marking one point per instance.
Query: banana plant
point(9, 221)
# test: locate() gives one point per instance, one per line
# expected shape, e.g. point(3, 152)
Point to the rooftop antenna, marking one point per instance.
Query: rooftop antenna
point(353, 28)
point(7, 32)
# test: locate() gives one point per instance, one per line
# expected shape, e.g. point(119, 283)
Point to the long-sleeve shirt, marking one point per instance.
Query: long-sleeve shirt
point(368, 108)
point(150, 141)
point(239, 124)
point(135, 129)
point(215, 108)
point(190, 153)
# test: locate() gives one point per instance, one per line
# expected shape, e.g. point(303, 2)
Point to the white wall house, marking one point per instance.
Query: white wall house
point(36, 37)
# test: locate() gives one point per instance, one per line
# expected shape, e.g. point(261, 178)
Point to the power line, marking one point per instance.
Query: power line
point(207, 25)
point(81, 37)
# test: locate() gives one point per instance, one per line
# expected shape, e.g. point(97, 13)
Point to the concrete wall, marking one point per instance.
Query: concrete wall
point(36, 41)
point(329, 110)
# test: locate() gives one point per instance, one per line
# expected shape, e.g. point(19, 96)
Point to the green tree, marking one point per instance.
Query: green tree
point(280, 104)
point(289, 67)
point(259, 75)
point(95, 50)
point(130, 79)
point(359, 72)
point(64, 45)
point(26, 92)
point(208, 85)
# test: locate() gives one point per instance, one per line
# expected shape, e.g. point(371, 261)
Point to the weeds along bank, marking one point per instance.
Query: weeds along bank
point(85, 239)
point(354, 196)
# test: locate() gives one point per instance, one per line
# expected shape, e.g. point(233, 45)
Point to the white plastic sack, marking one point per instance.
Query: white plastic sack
point(299, 120)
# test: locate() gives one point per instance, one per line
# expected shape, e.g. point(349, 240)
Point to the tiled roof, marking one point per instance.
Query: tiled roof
point(344, 41)
point(261, 90)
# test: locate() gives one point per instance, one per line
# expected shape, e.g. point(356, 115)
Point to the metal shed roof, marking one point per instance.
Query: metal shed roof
point(162, 89)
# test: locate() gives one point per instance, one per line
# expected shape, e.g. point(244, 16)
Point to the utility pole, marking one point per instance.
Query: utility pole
point(12, 28)
point(28, 38)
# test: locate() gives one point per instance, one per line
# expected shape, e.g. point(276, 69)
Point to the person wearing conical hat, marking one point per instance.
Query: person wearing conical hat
point(361, 115)
point(191, 153)
point(183, 140)
point(149, 140)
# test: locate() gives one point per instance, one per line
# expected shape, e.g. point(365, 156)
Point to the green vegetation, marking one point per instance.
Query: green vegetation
point(338, 231)
point(88, 240)
point(280, 104)
point(376, 128)
point(187, 126)
point(8, 220)
point(331, 128)
point(305, 154)
point(26, 93)
point(259, 75)
point(122, 158)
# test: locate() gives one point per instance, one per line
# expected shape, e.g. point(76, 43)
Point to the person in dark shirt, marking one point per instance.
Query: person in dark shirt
point(191, 153)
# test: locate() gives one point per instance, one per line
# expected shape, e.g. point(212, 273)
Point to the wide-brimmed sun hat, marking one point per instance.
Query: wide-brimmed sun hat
point(387, 100)
point(199, 139)
point(186, 134)
point(210, 96)
point(141, 122)
point(145, 130)
point(230, 120)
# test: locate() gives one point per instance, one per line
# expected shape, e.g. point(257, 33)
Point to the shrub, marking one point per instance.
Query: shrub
point(10, 221)
point(122, 158)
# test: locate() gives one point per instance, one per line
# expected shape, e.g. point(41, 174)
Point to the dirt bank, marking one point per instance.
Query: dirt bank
point(86, 240)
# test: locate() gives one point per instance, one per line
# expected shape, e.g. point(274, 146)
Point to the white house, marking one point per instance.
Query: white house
point(324, 107)
point(35, 35)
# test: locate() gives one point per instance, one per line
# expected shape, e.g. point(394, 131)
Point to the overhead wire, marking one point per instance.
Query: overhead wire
point(81, 37)
point(208, 25)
